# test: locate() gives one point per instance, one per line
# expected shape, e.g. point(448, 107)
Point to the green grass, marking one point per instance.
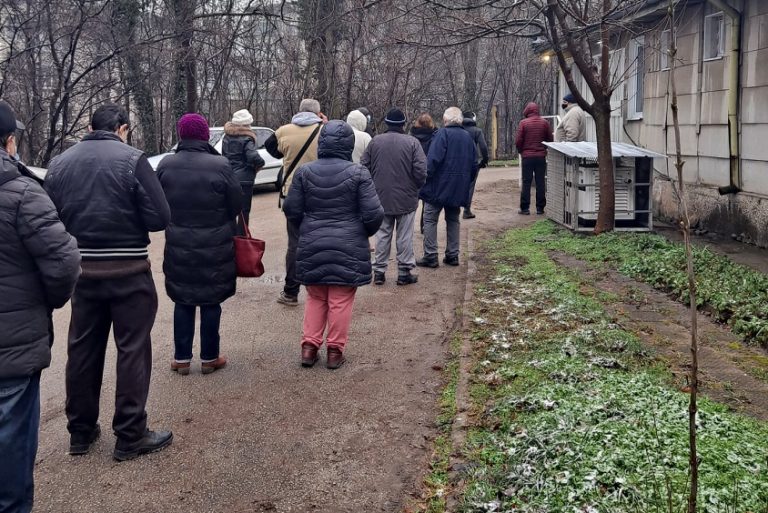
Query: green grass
point(503, 163)
point(734, 294)
point(437, 481)
point(574, 417)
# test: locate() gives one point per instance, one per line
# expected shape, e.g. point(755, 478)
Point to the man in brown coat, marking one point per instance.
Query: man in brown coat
point(287, 143)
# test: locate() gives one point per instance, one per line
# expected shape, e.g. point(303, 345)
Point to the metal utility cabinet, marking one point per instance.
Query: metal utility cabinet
point(573, 185)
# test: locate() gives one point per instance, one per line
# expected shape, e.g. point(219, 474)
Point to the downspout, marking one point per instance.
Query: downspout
point(734, 86)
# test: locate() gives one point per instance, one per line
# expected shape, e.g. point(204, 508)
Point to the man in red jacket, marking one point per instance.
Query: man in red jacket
point(532, 132)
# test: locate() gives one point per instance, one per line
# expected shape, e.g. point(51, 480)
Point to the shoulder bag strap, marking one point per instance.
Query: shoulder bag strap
point(298, 157)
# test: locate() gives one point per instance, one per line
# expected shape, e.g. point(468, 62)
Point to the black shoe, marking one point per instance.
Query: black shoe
point(468, 214)
point(428, 261)
point(81, 443)
point(407, 278)
point(454, 261)
point(152, 441)
point(540, 212)
point(379, 278)
point(524, 212)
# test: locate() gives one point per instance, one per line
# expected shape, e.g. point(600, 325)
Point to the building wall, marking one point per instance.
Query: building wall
point(703, 112)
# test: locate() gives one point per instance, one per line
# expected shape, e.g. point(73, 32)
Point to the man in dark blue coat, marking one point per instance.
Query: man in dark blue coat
point(451, 167)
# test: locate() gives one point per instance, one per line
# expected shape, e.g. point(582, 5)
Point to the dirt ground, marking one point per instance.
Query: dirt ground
point(265, 434)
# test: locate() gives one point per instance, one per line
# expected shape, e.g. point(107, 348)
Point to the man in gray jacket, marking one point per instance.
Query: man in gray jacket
point(399, 169)
point(40, 266)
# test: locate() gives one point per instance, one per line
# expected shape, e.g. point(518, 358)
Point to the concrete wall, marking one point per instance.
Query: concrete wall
point(703, 111)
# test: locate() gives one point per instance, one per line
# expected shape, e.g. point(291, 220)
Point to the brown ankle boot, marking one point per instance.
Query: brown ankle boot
point(335, 358)
point(308, 355)
point(218, 363)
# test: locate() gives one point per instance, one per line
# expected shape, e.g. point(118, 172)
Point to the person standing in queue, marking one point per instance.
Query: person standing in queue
point(109, 198)
point(199, 264)
point(241, 149)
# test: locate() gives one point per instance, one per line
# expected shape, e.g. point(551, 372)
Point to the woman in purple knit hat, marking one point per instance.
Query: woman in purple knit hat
point(199, 264)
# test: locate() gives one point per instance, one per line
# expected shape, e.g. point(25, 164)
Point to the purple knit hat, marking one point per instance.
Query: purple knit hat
point(193, 126)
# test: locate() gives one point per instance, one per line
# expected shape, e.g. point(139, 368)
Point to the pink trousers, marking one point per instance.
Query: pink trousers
point(331, 306)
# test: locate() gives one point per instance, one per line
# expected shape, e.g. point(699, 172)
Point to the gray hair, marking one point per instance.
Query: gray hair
point(453, 116)
point(309, 105)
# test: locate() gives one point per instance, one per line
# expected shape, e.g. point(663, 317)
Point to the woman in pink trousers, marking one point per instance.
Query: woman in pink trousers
point(334, 203)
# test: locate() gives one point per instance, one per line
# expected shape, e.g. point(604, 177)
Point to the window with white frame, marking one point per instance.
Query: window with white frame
point(636, 78)
point(714, 35)
point(665, 44)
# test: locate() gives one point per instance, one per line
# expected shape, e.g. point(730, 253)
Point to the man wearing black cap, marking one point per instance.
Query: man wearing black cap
point(399, 168)
point(573, 126)
point(40, 265)
point(470, 125)
point(109, 198)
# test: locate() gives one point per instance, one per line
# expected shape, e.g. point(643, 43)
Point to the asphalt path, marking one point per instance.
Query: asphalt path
point(265, 434)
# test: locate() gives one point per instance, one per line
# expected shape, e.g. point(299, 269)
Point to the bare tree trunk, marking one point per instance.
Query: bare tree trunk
point(185, 68)
point(607, 211)
point(125, 19)
point(685, 226)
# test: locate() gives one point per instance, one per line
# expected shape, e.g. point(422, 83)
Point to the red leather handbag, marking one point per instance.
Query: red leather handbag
point(248, 255)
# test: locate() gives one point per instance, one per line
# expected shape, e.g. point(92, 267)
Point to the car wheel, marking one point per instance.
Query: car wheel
point(279, 182)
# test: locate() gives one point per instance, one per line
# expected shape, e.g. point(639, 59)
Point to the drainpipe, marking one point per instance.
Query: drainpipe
point(733, 97)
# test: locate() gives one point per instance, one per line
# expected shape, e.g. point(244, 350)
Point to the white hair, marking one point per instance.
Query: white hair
point(453, 116)
point(309, 105)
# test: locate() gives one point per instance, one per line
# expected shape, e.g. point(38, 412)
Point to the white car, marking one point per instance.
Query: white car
point(269, 174)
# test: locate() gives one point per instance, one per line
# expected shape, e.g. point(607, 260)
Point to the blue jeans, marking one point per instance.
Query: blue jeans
point(19, 424)
point(184, 331)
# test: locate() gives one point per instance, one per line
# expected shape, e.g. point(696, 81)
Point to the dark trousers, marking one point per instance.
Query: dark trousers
point(247, 188)
point(534, 168)
point(472, 185)
point(184, 331)
point(127, 305)
point(292, 286)
point(19, 424)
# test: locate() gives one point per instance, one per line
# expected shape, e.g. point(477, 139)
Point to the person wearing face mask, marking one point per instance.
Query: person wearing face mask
point(109, 198)
point(573, 127)
point(40, 264)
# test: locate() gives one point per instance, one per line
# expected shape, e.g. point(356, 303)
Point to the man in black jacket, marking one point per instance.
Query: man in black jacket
point(109, 197)
point(470, 125)
point(40, 265)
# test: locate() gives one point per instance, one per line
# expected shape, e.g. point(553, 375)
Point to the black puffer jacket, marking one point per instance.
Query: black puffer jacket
point(239, 146)
point(205, 198)
point(108, 197)
point(335, 204)
point(470, 125)
point(39, 266)
point(424, 135)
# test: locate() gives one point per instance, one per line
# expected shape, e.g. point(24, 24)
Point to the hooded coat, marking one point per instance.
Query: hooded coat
point(470, 125)
point(451, 167)
point(424, 135)
point(333, 202)
point(288, 140)
point(40, 266)
point(532, 132)
point(359, 122)
point(239, 147)
point(205, 197)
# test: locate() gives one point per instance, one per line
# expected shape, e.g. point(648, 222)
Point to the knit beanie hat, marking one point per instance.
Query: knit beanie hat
point(569, 98)
point(242, 117)
point(395, 117)
point(193, 126)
